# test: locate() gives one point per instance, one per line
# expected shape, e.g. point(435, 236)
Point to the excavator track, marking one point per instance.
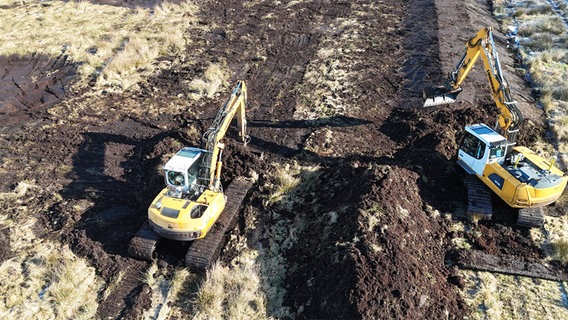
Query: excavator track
point(531, 217)
point(143, 244)
point(203, 252)
point(479, 199)
point(511, 265)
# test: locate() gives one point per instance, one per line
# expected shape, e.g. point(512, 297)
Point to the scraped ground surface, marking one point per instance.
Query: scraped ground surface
point(334, 86)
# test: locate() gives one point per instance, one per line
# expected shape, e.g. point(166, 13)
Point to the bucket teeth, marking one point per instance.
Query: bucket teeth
point(439, 95)
point(439, 100)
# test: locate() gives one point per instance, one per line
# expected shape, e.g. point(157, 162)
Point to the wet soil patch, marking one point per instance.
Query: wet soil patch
point(31, 84)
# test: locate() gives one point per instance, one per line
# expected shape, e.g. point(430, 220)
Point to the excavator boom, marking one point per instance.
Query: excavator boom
point(234, 107)
point(481, 45)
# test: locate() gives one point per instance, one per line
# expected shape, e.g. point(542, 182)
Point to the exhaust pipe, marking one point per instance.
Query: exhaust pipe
point(435, 96)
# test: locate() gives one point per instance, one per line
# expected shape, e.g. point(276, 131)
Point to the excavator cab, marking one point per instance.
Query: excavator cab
point(481, 145)
point(182, 170)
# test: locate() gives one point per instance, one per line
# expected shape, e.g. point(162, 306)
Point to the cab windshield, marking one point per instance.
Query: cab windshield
point(175, 178)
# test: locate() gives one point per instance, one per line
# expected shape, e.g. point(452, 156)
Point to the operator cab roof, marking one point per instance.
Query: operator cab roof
point(487, 135)
point(183, 159)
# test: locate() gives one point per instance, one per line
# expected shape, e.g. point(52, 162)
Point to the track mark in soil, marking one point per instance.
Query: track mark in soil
point(422, 52)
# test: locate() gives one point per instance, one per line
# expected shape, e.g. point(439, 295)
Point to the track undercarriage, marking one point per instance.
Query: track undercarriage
point(479, 199)
point(202, 252)
point(531, 217)
point(480, 205)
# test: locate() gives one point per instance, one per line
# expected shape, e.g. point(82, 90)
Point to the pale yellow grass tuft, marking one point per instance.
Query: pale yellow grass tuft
point(149, 276)
point(164, 290)
point(113, 44)
point(232, 292)
point(213, 78)
point(496, 296)
point(286, 181)
point(561, 250)
point(43, 280)
point(50, 280)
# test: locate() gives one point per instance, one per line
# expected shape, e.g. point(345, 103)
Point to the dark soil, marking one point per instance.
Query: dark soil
point(389, 158)
point(5, 252)
point(30, 84)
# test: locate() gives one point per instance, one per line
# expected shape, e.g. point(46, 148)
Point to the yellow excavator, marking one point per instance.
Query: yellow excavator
point(518, 175)
point(193, 205)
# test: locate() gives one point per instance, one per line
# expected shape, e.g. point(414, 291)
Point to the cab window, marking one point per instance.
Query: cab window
point(175, 178)
point(497, 152)
point(192, 173)
point(472, 146)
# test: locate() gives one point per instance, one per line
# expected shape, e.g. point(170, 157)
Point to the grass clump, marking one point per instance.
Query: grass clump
point(496, 296)
point(113, 45)
point(51, 282)
point(43, 280)
point(560, 248)
point(232, 292)
point(213, 78)
point(287, 180)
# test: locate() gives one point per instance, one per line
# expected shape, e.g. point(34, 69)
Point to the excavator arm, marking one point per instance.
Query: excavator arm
point(212, 162)
point(509, 116)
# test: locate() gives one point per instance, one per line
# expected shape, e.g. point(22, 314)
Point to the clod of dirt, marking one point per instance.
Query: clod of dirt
point(5, 251)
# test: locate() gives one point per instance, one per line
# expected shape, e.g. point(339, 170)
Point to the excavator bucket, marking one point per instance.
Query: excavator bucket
point(435, 96)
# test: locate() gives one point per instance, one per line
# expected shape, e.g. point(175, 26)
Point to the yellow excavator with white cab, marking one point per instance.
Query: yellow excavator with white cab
point(495, 164)
point(193, 205)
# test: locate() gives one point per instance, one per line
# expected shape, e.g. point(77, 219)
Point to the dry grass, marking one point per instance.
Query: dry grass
point(113, 285)
point(232, 292)
point(495, 296)
point(215, 76)
point(43, 280)
point(164, 291)
point(371, 217)
point(561, 250)
point(542, 44)
point(555, 240)
point(149, 276)
point(547, 24)
point(114, 45)
point(286, 181)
